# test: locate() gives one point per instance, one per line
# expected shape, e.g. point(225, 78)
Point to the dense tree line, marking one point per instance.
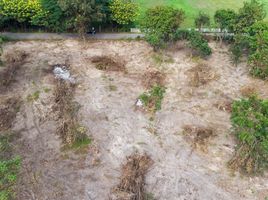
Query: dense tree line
point(65, 15)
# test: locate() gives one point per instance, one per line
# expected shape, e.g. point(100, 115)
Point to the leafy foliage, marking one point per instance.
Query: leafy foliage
point(160, 24)
point(201, 20)
point(23, 11)
point(124, 11)
point(54, 19)
point(249, 14)
point(152, 99)
point(250, 122)
point(81, 13)
point(199, 44)
point(225, 19)
point(9, 166)
point(255, 45)
point(196, 42)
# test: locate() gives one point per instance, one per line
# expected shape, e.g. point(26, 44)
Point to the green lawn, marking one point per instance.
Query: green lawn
point(192, 7)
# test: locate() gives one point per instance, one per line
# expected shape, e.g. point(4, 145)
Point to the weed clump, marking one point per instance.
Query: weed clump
point(250, 121)
point(152, 100)
point(106, 63)
point(201, 74)
point(132, 181)
point(198, 136)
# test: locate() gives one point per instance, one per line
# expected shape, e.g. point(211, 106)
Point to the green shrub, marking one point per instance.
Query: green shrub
point(250, 121)
point(152, 99)
point(181, 34)
point(199, 44)
point(195, 41)
point(160, 24)
point(258, 63)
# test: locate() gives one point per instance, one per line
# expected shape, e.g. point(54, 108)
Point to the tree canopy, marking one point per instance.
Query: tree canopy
point(160, 24)
point(202, 20)
point(225, 19)
point(124, 11)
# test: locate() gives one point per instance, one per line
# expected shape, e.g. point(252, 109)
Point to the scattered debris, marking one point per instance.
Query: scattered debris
point(153, 78)
point(62, 72)
point(139, 103)
point(70, 130)
point(8, 110)
point(107, 63)
point(15, 57)
point(132, 181)
point(224, 105)
point(201, 75)
point(198, 136)
point(13, 63)
point(248, 91)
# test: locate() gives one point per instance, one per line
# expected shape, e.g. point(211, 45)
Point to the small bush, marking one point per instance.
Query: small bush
point(195, 41)
point(199, 44)
point(250, 121)
point(258, 63)
point(152, 100)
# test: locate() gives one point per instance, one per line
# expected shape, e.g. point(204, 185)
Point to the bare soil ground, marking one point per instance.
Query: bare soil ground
point(106, 102)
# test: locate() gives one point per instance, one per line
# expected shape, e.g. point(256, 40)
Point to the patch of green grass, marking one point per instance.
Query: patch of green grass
point(34, 96)
point(193, 7)
point(9, 167)
point(152, 99)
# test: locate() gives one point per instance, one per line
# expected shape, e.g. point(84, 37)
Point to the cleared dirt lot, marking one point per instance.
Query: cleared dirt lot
point(183, 168)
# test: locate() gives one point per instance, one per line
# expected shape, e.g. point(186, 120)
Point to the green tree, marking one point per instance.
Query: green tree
point(22, 11)
point(202, 20)
point(124, 11)
point(160, 24)
point(54, 18)
point(81, 14)
point(249, 14)
point(225, 19)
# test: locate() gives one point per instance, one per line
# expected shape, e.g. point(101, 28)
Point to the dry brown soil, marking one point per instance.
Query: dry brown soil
point(107, 109)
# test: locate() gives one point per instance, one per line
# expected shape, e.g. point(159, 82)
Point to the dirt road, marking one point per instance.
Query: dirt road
point(56, 36)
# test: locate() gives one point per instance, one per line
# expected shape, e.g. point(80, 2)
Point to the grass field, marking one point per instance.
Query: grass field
point(192, 7)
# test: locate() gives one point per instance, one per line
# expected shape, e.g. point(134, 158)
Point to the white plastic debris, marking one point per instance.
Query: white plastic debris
point(139, 103)
point(61, 72)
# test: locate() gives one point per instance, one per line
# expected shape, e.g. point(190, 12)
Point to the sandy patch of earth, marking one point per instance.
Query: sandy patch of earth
point(118, 129)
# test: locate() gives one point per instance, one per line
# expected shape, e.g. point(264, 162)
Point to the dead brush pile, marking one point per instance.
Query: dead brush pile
point(106, 63)
point(69, 129)
point(248, 91)
point(8, 110)
point(201, 74)
point(152, 78)
point(132, 181)
point(224, 105)
point(198, 136)
point(13, 63)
